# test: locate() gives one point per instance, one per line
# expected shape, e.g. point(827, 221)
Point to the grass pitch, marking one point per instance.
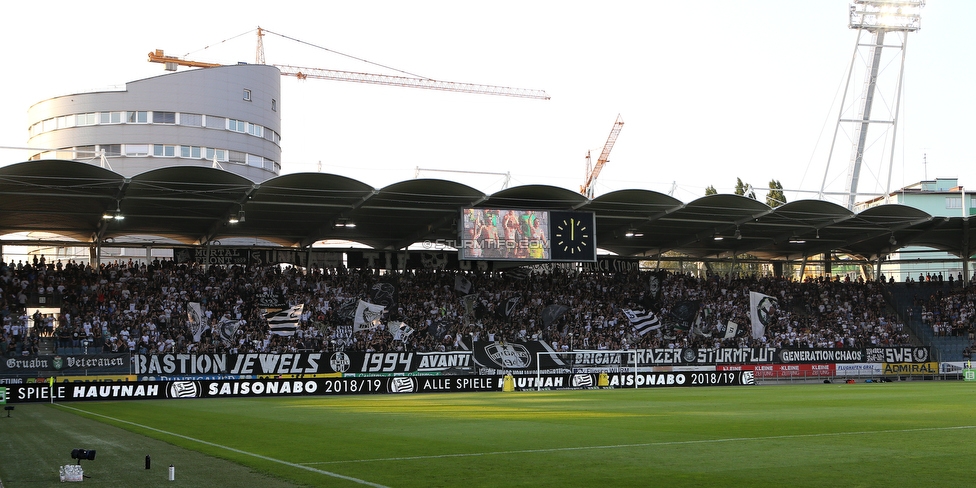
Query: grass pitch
point(864, 435)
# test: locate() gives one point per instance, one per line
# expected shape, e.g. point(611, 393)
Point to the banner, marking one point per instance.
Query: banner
point(352, 362)
point(440, 256)
point(205, 388)
point(611, 264)
point(896, 354)
point(494, 357)
point(270, 299)
point(784, 370)
point(911, 369)
point(245, 256)
point(79, 364)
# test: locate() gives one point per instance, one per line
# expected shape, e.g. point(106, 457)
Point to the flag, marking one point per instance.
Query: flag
point(470, 304)
point(462, 284)
point(196, 320)
point(399, 330)
point(285, 322)
point(731, 330)
point(759, 307)
point(552, 313)
point(684, 313)
point(367, 315)
point(702, 322)
point(655, 285)
point(519, 273)
point(642, 321)
point(511, 305)
point(384, 293)
point(228, 327)
point(344, 335)
point(347, 311)
point(437, 329)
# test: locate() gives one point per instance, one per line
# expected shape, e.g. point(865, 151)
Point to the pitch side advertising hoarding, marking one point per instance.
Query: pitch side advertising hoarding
point(358, 385)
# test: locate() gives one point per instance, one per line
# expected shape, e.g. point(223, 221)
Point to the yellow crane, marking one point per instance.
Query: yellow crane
point(593, 171)
point(171, 63)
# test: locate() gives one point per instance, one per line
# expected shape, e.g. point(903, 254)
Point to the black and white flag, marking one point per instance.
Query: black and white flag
point(470, 304)
point(510, 306)
point(285, 322)
point(196, 320)
point(551, 313)
point(731, 330)
point(399, 330)
point(462, 285)
point(228, 327)
point(367, 316)
point(642, 321)
point(344, 335)
point(760, 308)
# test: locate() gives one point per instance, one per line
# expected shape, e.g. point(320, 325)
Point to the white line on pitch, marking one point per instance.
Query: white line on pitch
point(259, 456)
point(647, 444)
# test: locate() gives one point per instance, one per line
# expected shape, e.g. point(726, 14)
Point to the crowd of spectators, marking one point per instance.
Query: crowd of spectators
point(142, 308)
point(951, 312)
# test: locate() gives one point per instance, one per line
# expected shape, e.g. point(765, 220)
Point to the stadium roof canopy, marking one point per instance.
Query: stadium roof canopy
point(192, 205)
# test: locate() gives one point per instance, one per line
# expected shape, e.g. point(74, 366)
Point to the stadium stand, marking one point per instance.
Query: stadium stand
point(142, 308)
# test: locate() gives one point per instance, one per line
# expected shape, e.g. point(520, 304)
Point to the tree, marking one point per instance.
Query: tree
point(710, 190)
point(775, 197)
point(744, 189)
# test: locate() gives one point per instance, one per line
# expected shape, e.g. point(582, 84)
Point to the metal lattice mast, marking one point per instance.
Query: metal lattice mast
point(874, 20)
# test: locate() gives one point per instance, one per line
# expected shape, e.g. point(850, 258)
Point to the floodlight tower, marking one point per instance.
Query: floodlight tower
point(875, 21)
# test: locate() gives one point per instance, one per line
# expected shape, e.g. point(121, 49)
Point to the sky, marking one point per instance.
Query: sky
point(709, 90)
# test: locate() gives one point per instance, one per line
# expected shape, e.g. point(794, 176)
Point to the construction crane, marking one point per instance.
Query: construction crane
point(301, 73)
point(593, 171)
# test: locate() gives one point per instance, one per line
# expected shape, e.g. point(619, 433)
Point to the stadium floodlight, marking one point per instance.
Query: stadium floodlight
point(891, 15)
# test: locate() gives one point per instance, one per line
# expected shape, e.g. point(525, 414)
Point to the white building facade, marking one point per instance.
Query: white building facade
point(226, 116)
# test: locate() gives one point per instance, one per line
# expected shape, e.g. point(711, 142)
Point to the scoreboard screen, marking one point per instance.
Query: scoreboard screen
point(527, 235)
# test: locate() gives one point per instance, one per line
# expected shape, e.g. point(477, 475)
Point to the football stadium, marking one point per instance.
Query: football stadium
point(177, 311)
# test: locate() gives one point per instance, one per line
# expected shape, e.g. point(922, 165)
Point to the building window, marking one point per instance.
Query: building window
point(85, 152)
point(165, 151)
point(256, 161)
point(136, 149)
point(191, 120)
point(219, 154)
point(192, 152)
point(236, 125)
point(214, 122)
point(137, 117)
point(274, 105)
point(85, 119)
point(111, 150)
point(237, 157)
point(255, 130)
point(164, 117)
point(110, 117)
point(247, 95)
point(953, 202)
